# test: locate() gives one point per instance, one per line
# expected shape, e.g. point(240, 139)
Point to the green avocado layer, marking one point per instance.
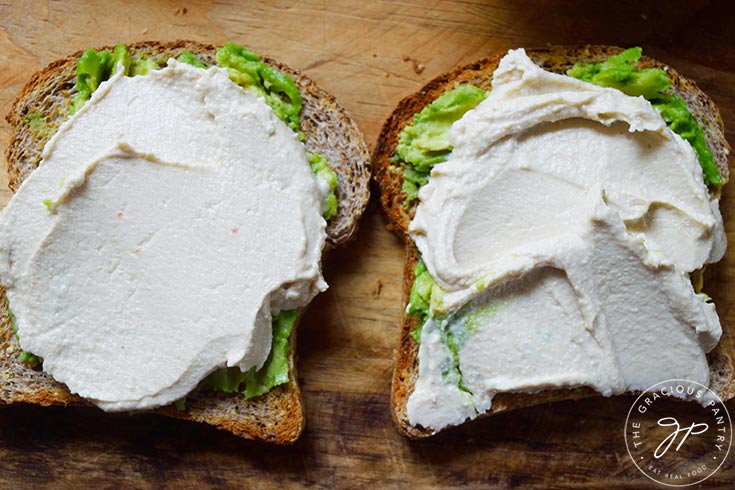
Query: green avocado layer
point(251, 73)
point(25, 356)
point(38, 123)
point(423, 290)
point(94, 67)
point(425, 143)
point(321, 169)
point(273, 373)
point(190, 58)
point(618, 72)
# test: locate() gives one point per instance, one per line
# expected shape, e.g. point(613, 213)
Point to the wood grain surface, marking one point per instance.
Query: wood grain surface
point(369, 55)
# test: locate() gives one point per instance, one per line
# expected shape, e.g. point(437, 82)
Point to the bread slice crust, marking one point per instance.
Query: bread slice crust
point(277, 416)
point(556, 59)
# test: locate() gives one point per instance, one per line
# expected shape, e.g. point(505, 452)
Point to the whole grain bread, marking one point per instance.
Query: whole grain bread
point(388, 179)
point(277, 416)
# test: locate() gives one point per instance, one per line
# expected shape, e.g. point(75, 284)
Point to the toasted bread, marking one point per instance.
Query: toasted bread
point(555, 59)
point(277, 416)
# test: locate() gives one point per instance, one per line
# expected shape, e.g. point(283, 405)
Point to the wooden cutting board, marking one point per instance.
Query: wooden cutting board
point(369, 55)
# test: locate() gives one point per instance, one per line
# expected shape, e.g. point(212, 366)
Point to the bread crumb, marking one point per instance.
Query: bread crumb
point(418, 67)
point(378, 288)
point(119, 214)
point(235, 229)
point(387, 74)
point(375, 55)
point(136, 250)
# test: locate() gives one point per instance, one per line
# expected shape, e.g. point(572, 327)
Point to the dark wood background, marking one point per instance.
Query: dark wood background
point(369, 54)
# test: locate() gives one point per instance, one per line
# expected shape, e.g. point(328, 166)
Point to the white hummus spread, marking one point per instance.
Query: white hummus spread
point(169, 219)
point(562, 228)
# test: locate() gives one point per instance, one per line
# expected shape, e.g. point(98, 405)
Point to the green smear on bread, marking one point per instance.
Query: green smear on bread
point(94, 67)
point(38, 123)
point(25, 356)
point(191, 59)
point(425, 142)
point(244, 67)
point(620, 73)
point(251, 73)
point(425, 293)
point(321, 169)
point(273, 373)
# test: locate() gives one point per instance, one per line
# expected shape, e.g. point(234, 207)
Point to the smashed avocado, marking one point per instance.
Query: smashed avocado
point(425, 292)
point(244, 67)
point(273, 373)
point(425, 142)
point(652, 83)
point(94, 67)
point(38, 123)
point(321, 169)
point(190, 58)
point(251, 73)
point(180, 404)
point(453, 337)
point(25, 356)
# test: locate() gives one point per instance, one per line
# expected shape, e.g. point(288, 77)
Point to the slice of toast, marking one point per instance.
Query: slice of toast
point(277, 416)
point(556, 59)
